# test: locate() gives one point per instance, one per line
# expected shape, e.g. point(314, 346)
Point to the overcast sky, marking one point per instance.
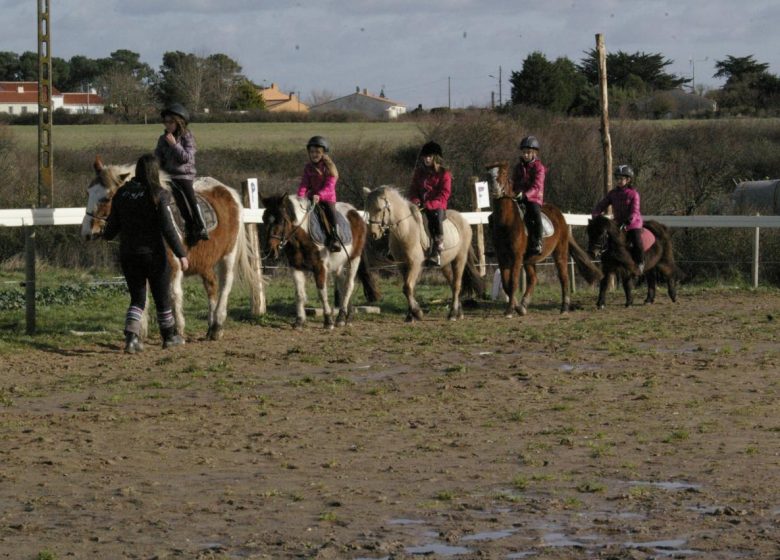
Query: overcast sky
point(413, 50)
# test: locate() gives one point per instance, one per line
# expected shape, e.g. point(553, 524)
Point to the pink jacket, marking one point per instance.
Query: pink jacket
point(431, 189)
point(625, 206)
point(316, 180)
point(528, 178)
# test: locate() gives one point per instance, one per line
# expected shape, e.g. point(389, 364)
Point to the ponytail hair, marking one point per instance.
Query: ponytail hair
point(147, 172)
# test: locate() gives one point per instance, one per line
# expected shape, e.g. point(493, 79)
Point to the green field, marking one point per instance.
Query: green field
point(264, 136)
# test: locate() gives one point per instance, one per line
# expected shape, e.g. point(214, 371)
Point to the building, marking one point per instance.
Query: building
point(276, 100)
point(374, 106)
point(20, 98)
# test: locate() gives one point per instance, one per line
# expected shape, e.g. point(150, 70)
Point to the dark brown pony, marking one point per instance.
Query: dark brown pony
point(606, 241)
point(286, 220)
point(510, 241)
point(215, 260)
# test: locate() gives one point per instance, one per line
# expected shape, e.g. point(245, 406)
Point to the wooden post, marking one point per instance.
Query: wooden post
point(606, 140)
point(755, 255)
point(256, 289)
point(29, 277)
point(480, 230)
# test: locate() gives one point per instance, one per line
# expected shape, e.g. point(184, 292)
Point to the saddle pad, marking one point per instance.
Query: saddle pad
point(648, 239)
point(547, 226)
point(209, 215)
point(449, 232)
point(317, 231)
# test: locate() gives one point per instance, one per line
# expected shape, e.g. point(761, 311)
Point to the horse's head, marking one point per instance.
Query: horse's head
point(599, 230)
point(379, 211)
point(108, 178)
point(498, 179)
point(278, 223)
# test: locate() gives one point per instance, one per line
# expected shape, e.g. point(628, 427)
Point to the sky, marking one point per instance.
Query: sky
point(429, 52)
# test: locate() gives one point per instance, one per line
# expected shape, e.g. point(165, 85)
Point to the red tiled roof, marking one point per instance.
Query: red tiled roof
point(26, 87)
point(14, 97)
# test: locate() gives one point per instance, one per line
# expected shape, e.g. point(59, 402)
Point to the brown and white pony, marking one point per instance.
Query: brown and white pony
point(510, 241)
point(286, 228)
point(214, 260)
point(392, 214)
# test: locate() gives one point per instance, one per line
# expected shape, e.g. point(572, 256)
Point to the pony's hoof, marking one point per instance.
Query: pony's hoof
point(600, 306)
point(215, 333)
point(522, 311)
point(298, 324)
point(341, 320)
point(410, 318)
point(328, 324)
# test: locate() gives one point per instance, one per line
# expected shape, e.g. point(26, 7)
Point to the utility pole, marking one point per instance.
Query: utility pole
point(606, 140)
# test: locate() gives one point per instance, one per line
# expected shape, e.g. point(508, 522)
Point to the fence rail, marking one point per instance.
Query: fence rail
point(74, 216)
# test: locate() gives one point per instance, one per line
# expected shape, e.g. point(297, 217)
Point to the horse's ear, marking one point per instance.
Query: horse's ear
point(98, 165)
point(123, 177)
point(366, 191)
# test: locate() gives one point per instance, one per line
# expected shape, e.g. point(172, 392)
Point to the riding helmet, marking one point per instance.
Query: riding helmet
point(529, 142)
point(624, 171)
point(319, 141)
point(176, 109)
point(431, 149)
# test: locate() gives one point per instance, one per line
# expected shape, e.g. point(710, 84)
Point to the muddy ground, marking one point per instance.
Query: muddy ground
point(651, 432)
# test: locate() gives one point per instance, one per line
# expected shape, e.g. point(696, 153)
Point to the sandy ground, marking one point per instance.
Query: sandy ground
point(651, 432)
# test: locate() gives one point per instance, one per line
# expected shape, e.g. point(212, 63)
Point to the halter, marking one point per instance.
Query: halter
point(95, 217)
point(284, 240)
point(386, 224)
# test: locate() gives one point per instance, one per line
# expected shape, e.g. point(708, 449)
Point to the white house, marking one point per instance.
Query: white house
point(374, 106)
point(19, 98)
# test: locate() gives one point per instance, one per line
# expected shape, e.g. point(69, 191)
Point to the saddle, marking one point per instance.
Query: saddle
point(448, 229)
point(209, 214)
point(547, 226)
point(648, 239)
point(317, 228)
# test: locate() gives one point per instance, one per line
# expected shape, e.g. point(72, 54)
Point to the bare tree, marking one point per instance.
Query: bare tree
point(318, 97)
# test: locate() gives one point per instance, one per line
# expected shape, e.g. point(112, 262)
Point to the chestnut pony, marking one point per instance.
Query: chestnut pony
point(510, 241)
point(214, 260)
point(287, 228)
point(606, 241)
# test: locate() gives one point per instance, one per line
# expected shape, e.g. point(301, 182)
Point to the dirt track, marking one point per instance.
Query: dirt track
point(650, 432)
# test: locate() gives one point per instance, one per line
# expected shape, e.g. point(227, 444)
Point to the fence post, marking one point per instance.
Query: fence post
point(256, 289)
point(755, 255)
point(29, 277)
point(480, 229)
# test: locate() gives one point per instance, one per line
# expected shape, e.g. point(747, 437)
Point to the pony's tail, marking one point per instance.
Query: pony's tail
point(246, 274)
point(589, 271)
point(368, 278)
point(472, 284)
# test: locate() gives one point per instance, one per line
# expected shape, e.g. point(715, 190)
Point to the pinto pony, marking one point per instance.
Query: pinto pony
point(288, 228)
point(215, 260)
point(390, 213)
point(607, 242)
point(510, 240)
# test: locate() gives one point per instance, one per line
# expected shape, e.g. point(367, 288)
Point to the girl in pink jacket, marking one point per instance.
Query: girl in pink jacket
point(430, 190)
point(318, 184)
point(528, 186)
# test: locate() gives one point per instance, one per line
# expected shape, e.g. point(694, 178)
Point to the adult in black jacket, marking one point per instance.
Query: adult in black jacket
point(141, 216)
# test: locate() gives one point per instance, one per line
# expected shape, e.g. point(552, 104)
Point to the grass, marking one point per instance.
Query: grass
point(258, 136)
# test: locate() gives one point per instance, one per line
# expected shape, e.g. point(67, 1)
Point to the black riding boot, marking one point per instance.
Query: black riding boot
point(198, 231)
point(133, 344)
point(437, 244)
point(170, 338)
point(332, 241)
point(533, 221)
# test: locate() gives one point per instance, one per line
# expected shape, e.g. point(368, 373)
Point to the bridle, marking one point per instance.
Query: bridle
point(285, 239)
point(385, 223)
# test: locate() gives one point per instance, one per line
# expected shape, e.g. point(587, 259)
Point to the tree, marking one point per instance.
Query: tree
point(224, 78)
point(749, 85)
point(9, 66)
point(247, 97)
point(738, 68)
point(125, 83)
point(640, 72)
point(550, 85)
point(199, 83)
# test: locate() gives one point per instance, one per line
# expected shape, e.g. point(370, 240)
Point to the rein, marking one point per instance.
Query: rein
point(284, 240)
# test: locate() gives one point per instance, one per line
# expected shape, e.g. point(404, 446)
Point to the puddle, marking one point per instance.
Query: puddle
point(436, 548)
point(488, 535)
point(406, 522)
point(666, 485)
point(669, 548)
point(569, 368)
point(559, 539)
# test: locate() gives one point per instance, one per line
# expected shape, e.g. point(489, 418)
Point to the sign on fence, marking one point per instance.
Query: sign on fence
point(483, 194)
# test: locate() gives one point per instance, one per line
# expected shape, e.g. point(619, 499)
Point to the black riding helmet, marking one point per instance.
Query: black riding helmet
point(319, 141)
point(529, 142)
point(431, 149)
point(624, 171)
point(178, 110)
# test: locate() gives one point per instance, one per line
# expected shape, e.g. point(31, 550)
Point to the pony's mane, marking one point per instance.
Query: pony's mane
point(386, 190)
point(114, 176)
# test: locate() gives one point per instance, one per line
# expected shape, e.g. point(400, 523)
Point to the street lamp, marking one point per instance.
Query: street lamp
point(500, 100)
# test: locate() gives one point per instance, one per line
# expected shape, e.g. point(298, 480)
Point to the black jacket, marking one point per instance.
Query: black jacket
point(141, 227)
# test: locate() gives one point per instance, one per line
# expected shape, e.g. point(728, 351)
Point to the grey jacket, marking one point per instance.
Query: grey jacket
point(177, 160)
